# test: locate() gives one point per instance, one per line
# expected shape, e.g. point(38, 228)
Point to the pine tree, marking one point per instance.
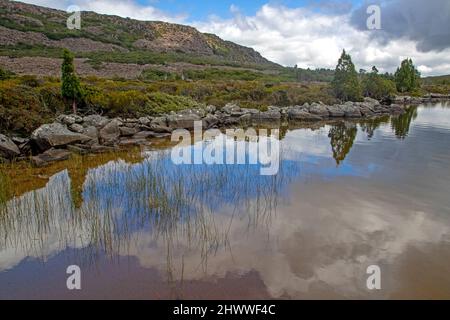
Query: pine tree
point(407, 77)
point(346, 84)
point(70, 84)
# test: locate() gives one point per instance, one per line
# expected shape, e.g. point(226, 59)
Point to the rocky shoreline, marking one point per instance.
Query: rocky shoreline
point(98, 134)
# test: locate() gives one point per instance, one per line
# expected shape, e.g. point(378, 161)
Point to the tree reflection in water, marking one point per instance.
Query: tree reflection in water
point(401, 124)
point(342, 136)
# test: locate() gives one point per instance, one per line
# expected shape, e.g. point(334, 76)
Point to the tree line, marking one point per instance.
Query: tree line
point(349, 85)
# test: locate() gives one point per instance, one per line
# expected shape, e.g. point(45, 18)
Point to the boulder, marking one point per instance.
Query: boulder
point(371, 102)
point(78, 128)
point(351, 110)
point(320, 110)
point(335, 111)
point(231, 108)
point(50, 156)
point(56, 135)
point(95, 120)
point(160, 129)
point(274, 115)
point(182, 121)
point(8, 149)
point(91, 132)
point(127, 132)
point(146, 121)
point(301, 115)
point(110, 132)
point(210, 121)
point(159, 121)
point(211, 109)
point(69, 119)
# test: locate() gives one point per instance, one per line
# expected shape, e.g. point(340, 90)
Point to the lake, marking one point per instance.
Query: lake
point(348, 195)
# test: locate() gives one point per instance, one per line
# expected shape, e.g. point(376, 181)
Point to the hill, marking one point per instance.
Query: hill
point(33, 31)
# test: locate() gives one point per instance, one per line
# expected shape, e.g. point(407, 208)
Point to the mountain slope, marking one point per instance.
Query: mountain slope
point(29, 30)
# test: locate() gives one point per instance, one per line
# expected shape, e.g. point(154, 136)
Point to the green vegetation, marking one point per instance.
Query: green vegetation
point(407, 77)
point(377, 86)
point(27, 102)
point(4, 74)
point(70, 85)
point(346, 84)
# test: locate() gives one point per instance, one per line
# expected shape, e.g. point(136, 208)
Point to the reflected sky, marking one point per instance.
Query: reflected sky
point(347, 195)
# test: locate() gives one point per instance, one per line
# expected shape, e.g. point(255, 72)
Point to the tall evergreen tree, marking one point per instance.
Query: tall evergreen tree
point(70, 84)
point(407, 77)
point(346, 84)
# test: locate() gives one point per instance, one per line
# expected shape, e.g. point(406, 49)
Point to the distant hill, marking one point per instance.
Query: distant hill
point(33, 31)
point(445, 80)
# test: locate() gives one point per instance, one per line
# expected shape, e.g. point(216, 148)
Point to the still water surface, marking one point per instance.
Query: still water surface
point(348, 195)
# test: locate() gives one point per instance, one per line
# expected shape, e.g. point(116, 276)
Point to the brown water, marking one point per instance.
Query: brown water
point(347, 196)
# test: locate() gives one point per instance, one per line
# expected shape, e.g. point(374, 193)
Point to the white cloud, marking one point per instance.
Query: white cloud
point(312, 39)
point(289, 36)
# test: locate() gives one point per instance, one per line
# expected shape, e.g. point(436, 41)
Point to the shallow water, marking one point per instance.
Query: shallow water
point(347, 196)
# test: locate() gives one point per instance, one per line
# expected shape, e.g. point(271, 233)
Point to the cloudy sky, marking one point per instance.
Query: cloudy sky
point(309, 33)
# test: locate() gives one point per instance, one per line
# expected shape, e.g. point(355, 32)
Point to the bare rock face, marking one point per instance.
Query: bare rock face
point(8, 149)
point(50, 156)
point(56, 135)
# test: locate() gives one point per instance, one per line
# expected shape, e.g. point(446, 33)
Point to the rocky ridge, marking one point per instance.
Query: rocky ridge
point(98, 134)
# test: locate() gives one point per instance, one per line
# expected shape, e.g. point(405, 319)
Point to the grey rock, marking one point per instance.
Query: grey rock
point(49, 156)
point(110, 132)
point(320, 110)
point(78, 128)
point(182, 121)
point(91, 132)
point(127, 132)
point(211, 109)
point(335, 111)
point(210, 121)
point(146, 121)
point(95, 121)
point(301, 115)
point(8, 149)
point(351, 110)
point(56, 135)
point(159, 121)
point(160, 129)
point(267, 116)
point(230, 108)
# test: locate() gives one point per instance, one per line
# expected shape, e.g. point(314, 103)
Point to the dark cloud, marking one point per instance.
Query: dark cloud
point(425, 21)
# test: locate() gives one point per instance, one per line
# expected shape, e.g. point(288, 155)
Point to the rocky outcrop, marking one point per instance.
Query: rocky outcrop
point(98, 134)
point(56, 135)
